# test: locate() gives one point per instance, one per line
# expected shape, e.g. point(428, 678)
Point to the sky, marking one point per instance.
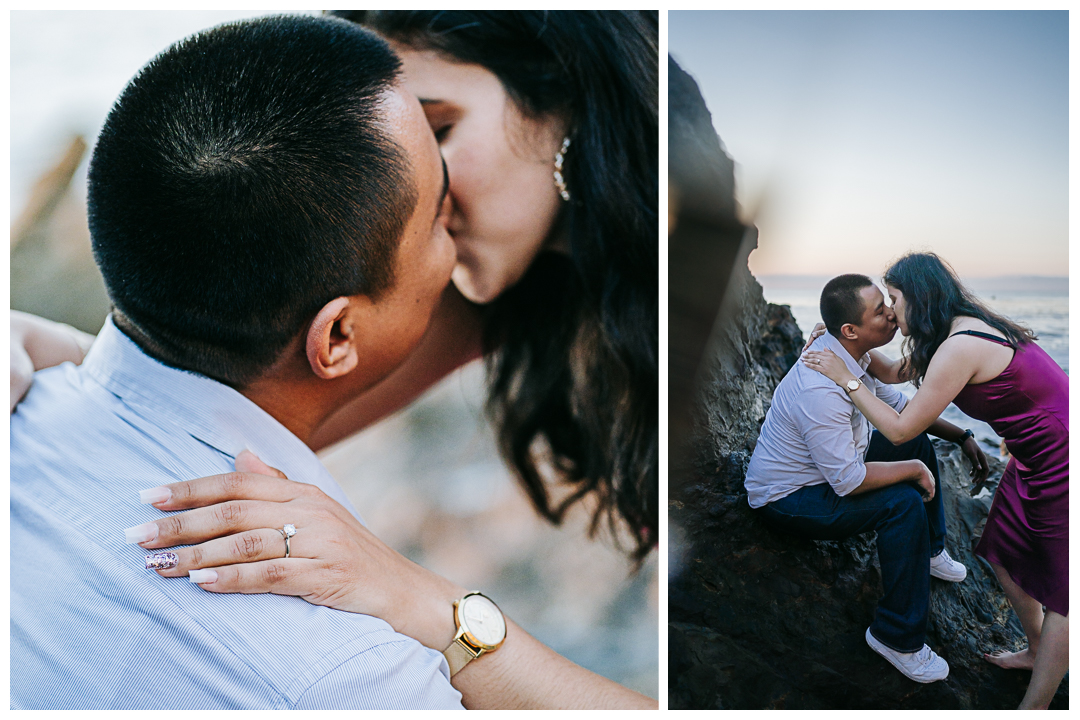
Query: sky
point(865, 135)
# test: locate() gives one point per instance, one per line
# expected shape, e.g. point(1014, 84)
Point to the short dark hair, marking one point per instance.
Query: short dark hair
point(243, 179)
point(841, 303)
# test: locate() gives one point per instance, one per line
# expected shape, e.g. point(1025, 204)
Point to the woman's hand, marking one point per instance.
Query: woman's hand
point(22, 370)
point(980, 468)
point(828, 364)
point(335, 561)
point(36, 344)
point(817, 332)
point(237, 547)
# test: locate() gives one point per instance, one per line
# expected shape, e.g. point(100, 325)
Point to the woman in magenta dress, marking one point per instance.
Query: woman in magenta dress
point(958, 351)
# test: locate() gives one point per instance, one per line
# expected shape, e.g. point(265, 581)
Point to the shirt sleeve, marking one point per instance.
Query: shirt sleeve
point(825, 425)
point(890, 395)
point(401, 675)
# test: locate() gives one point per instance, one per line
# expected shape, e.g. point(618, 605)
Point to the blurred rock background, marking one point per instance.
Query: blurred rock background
point(414, 477)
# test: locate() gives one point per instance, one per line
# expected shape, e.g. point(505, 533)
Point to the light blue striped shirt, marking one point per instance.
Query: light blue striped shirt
point(91, 628)
point(813, 433)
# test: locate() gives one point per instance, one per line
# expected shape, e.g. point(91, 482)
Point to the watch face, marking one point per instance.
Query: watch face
point(853, 384)
point(482, 620)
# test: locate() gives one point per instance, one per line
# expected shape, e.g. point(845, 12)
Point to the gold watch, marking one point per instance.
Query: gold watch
point(481, 629)
point(852, 385)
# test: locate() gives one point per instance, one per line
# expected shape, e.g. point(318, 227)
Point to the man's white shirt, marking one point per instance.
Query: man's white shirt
point(91, 628)
point(813, 433)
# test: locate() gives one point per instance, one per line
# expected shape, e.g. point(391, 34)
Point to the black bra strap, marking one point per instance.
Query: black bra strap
point(985, 336)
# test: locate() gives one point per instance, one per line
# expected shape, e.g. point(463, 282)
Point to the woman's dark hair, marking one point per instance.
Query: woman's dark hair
point(572, 348)
point(933, 298)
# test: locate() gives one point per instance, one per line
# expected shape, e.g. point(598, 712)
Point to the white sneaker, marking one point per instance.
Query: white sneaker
point(944, 567)
point(924, 666)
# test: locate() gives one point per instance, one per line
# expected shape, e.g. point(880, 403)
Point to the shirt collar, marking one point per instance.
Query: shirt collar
point(857, 367)
point(209, 411)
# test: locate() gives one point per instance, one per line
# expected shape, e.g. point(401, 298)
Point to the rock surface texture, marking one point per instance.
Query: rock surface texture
point(762, 620)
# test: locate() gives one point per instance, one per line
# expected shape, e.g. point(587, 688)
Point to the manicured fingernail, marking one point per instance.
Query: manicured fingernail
point(141, 533)
point(202, 577)
point(154, 495)
point(162, 561)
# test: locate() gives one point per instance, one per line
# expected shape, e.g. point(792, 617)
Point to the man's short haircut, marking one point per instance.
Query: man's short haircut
point(841, 303)
point(244, 178)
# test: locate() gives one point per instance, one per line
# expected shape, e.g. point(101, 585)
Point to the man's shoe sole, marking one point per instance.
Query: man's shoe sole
point(881, 650)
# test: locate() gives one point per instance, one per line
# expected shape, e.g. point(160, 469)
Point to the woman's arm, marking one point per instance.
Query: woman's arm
point(525, 674)
point(885, 369)
point(453, 338)
point(948, 373)
point(36, 344)
point(337, 562)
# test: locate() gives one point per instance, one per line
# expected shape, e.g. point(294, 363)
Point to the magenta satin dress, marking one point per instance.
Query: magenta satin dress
point(1027, 531)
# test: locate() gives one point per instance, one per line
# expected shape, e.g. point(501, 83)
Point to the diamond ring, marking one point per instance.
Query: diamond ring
point(287, 532)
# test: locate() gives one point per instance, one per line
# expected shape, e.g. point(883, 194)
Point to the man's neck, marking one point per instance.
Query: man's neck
point(854, 348)
point(288, 393)
point(291, 394)
point(300, 407)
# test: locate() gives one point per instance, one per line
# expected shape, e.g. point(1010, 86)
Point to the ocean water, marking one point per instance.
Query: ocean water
point(1040, 303)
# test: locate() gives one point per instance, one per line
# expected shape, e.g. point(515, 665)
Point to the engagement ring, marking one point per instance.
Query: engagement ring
point(287, 532)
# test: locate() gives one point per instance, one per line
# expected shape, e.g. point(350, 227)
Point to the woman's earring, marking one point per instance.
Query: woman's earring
point(560, 182)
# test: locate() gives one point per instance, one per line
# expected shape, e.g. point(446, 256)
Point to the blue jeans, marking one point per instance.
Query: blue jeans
point(909, 533)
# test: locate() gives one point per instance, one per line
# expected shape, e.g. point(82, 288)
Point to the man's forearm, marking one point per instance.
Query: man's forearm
point(946, 431)
point(883, 474)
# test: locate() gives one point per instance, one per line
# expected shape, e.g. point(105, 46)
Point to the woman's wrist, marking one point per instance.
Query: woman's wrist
point(427, 616)
point(846, 381)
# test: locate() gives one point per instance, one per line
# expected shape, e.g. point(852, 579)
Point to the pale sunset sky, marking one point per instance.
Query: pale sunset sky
point(878, 133)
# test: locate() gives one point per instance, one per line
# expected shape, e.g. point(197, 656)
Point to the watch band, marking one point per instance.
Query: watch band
point(963, 438)
point(458, 656)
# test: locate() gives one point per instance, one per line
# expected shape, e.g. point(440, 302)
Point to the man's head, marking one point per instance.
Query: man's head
point(265, 180)
point(854, 311)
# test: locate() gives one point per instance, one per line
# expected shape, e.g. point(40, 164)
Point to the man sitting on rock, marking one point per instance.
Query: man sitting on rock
point(819, 472)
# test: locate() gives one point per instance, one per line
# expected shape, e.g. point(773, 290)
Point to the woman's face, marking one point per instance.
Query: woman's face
point(500, 164)
point(899, 309)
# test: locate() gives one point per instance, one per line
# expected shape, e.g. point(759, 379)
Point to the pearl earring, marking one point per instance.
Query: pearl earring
point(560, 182)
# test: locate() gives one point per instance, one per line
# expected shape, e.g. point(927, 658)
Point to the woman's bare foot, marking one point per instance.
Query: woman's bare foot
point(1021, 660)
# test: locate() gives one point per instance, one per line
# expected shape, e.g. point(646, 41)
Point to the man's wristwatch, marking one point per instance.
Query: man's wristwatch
point(852, 385)
point(963, 438)
point(481, 629)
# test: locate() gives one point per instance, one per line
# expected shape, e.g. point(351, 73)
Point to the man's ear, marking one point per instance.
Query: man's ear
point(848, 331)
point(332, 339)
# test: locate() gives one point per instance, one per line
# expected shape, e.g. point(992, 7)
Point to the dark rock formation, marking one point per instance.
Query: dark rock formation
point(705, 238)
point(762, 620)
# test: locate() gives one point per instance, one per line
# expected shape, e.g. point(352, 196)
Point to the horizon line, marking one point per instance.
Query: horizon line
point(975, 277)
